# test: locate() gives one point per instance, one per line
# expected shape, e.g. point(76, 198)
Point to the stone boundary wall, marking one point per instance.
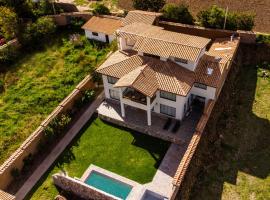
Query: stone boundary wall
point(248, 37)
point(29, 146)
point(13, 42)
point(79, 188)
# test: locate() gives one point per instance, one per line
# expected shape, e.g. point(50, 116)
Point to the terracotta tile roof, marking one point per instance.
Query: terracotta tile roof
point(140, 16)
point(102, 24)
point(148, 75)
point(6, 196)
point(217, 59)
point(157, 41)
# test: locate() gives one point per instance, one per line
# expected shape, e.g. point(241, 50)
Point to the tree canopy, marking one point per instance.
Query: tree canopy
point(8, 23)
point(148, 5)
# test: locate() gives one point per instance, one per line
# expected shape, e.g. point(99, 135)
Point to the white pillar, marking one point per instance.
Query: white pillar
point(121, 103)
point(148, 112)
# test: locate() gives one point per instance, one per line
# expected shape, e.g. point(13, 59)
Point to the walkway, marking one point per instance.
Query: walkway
point(55, 153)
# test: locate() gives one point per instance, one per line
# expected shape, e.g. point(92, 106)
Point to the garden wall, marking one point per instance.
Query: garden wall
point(63, 19)
point(246, 36)
point(79, 188)
point(15, 161)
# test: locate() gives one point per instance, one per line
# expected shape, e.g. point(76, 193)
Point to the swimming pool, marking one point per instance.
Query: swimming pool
point(108, 185)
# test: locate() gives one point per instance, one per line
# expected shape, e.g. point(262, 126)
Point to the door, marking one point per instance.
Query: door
point(107, 39)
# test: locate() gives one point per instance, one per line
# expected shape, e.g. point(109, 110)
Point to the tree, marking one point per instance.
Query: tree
point(177, 13)
point(21, 7)
point(212, 18)
point(8, 23)
point(148, 5)
point(245, 21)
point(100, 9)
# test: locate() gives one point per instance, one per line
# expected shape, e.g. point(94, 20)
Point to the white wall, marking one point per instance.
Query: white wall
point(209, 93)
point(107, 87)
point(123, 44)
point(178, 105)
point(101, 36)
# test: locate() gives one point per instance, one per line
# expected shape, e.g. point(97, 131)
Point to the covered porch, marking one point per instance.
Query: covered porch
point(133, 98)
point(136, 119)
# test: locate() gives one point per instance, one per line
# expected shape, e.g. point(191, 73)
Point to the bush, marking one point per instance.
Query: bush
point(88, 96)
point(34, 32)
point(214, 17)
point(8, 23)
point(8, 55)
point(177, 13)
point(100, 9)
point(148, 5)
point(263, 38)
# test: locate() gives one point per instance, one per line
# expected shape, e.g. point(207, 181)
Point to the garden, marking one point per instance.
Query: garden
point(122, 151)
point(39, 80)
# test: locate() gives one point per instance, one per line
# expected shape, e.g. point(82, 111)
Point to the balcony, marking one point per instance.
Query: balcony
point(136, 96)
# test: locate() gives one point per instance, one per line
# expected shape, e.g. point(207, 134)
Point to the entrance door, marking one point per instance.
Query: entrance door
point(107, 39)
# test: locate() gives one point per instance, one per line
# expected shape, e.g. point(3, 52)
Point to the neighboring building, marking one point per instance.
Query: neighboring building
point(164, 72)
point(102, 28)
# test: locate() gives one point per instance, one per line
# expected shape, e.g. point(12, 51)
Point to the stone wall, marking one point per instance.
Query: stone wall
point(79, 188)
point(29, 146)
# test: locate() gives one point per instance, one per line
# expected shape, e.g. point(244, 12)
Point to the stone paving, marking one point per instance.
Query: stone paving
point(136, 119)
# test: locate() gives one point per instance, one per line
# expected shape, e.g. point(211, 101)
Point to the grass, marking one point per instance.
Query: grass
point(40, 80)
point(132, 155)
point(239, 168)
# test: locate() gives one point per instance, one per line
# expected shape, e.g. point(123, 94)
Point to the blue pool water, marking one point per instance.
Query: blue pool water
point(108, 185)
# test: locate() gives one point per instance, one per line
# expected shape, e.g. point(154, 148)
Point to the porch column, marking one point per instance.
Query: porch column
point(121, 103)
point(148, 112)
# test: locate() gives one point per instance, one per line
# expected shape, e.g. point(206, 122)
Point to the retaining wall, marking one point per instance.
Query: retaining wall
point(79, 188)
point(29, 146)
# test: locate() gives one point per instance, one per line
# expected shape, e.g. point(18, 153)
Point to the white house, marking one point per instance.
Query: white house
point(163, 72)
point(102, 28)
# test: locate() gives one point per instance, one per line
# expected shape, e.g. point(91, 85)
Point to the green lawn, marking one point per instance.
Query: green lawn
point(38, 81)
point(132, 155)
point(240, 168)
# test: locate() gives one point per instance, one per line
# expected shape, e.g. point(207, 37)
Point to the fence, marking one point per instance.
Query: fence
point(29, 146)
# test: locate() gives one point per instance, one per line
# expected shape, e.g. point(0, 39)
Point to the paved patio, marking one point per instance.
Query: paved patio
point(136, 119)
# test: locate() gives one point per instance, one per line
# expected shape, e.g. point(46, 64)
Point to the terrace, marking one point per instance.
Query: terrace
point(161, 127)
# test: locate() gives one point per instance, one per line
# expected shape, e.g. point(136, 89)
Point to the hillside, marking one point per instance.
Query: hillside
point(260, 7)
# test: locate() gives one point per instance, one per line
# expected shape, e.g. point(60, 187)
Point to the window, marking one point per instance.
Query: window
point(114, 94)
point(151, 55)
point(167, 110)
point(199, 85)
point(181, 60)
point(111, 80)
point(168, 95)
point(95, 33)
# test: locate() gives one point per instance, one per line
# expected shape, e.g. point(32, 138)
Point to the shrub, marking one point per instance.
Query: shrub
point(88, 96)
point(77, 22)
point(8, 23)
point(8, 55)
point(2, 85)
point(33, 33)
point(177, 13)
point(101, 9)
point(263, 38)
point(214, 17)
point(150, 5)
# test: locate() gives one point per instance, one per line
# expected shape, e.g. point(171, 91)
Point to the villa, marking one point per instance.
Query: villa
point(163, 72)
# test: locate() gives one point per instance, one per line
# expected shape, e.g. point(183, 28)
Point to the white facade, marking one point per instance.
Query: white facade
point(100, 37)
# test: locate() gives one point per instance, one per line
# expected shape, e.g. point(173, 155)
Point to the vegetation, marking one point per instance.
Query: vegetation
point(214, 17)
point(177, 13)
point(130, 154)
point(35, 32)
point(8, 23)
point(263, 38)
point(237, 163)
point(100, 9)
point(38, 81)
point(150, 5)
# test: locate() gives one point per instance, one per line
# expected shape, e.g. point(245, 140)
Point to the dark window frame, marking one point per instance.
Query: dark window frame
point(180, 60)
point(110, 92)
point(167, 113)
point(110, 78)
point(164, 97)
point(95, 33)
point(200, 85)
